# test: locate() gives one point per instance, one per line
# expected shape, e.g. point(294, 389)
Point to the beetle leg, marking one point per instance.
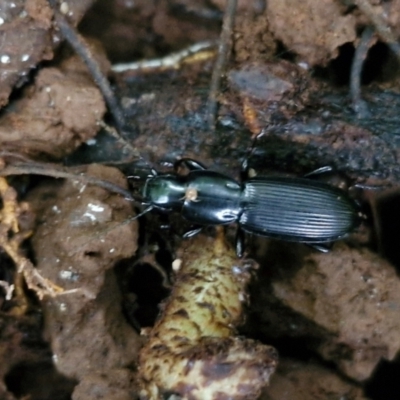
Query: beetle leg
point(363, 186)
point(145, 211)
point(189, 163)
point(244, 170)
point(192, 232)
point(239, 242)
point(153, 173)
point(323, 248)
point(319, 171)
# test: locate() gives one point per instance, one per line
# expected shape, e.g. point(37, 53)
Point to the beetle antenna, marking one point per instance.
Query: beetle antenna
point(55, 171)
point(126, 222)
point(245, 163)
point(137, 216)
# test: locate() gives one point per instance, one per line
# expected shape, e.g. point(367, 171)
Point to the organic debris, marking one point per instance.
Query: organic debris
point(193, 349)
point(299, 380)
point(346, 300)
point(11, 239)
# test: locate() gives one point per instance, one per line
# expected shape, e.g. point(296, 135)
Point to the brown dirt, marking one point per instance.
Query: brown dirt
point(85, 327)
point(54, 116)
point(26, 39)
point(352, 294)
point(296, 380)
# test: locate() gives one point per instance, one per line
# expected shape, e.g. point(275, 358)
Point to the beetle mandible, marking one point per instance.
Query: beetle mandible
point(293, 209)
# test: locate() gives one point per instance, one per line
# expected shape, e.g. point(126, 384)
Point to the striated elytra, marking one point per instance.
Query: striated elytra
point(293, 209)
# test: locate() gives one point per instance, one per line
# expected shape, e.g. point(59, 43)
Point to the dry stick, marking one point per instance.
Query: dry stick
point(224, 48)
point(381, 26)
point(79, 45)
point(35, 168)
point(193, 53)
point(359, 106)
point(11, 239)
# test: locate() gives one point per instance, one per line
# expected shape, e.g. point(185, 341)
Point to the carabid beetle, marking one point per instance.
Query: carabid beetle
point(292, 209)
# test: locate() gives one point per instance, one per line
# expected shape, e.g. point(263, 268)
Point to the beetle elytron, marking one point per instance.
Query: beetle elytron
point(293, 209)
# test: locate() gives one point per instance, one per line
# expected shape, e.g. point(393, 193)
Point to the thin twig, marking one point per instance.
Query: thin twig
point(224, 49)
point(11, 239)
point(103, 232)
point(381, 26)
point(120, 140)
point(79, 45)
point(196, 52)
point(359, 106)
point(55, 171)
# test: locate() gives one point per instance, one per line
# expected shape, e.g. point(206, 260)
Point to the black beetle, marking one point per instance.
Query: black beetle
point(294, 209)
